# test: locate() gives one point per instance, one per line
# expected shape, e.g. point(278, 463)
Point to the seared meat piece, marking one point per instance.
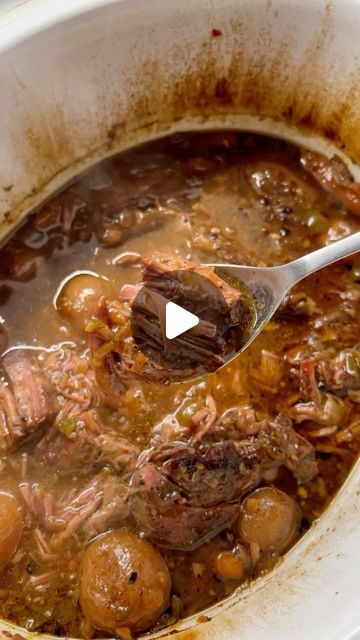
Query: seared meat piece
point(207, 342)
point(262, 446)
point(187, 495)
point(116, 221)
point(334, 176)
point(117, 358)
point(26, 400)
point(126, 203)
point(157, 263)
point(168, 519)
point(211, 478)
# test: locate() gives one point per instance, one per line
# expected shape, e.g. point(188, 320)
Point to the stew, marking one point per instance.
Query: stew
point(128, 502)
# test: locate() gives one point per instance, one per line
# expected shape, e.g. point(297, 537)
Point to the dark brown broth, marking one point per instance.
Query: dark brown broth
point(202, 200)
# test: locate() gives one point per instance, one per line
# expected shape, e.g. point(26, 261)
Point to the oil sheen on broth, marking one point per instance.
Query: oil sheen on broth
point(126, 504)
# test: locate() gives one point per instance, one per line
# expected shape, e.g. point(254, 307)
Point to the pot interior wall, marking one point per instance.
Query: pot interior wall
point(90, 85)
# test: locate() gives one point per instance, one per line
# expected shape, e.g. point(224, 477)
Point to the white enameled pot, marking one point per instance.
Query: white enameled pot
point(81, 79)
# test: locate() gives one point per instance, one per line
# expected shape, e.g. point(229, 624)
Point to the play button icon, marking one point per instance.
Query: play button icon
point(178, 320)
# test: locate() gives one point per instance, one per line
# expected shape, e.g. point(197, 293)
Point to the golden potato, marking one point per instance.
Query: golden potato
point(124, 582)
point(11, 527)
point(270, 519)
point(78, 296)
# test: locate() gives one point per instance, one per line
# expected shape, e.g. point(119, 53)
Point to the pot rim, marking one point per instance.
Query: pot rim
point(31, 17)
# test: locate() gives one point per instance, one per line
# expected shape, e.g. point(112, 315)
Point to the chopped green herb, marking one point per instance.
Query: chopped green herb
point(95, 325)
point(67, 425)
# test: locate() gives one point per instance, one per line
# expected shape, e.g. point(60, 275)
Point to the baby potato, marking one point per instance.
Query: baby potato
point(11, 527)
point(78, 296)
point(124, 582)
point(270, 519)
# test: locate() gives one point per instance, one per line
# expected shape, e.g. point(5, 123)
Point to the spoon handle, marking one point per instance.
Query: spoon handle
point(323, 257)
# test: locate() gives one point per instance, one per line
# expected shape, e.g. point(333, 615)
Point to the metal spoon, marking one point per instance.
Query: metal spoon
point(269, 285)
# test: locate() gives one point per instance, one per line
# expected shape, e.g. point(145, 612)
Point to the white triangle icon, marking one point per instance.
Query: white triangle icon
point(178, 320)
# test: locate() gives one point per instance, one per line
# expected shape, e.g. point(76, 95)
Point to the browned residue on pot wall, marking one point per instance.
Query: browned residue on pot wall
point(224, 74)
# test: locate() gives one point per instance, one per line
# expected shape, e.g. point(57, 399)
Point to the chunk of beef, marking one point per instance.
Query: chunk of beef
point(186, 494)
point(116, 357)
point(116, 220)
point(334, 176)
point(331, 411)
point(168, 519)
point(212, 477)
point(158, 263)
point(128, 198)
point(206, 343)
point(26, 399)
